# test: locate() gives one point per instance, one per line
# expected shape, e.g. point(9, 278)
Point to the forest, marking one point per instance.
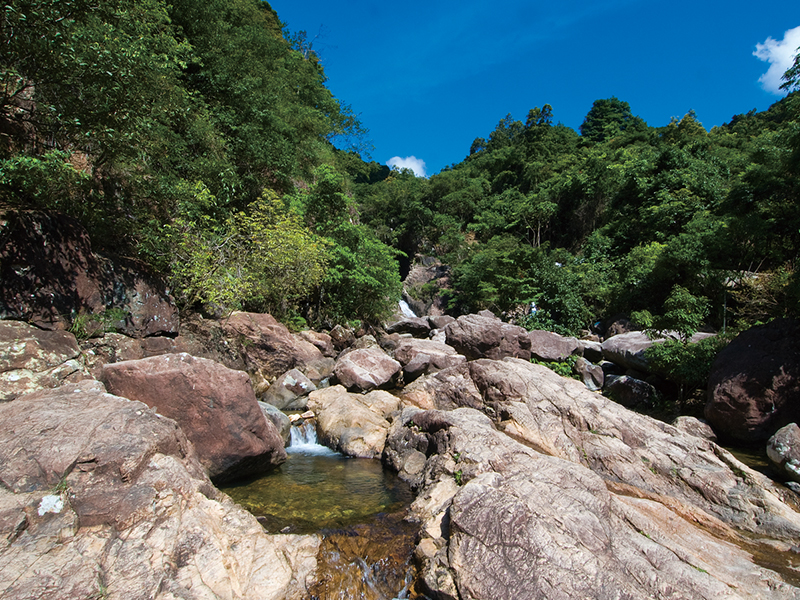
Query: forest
point(200, 139)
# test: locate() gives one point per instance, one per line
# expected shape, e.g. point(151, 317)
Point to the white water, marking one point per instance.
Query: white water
point(406, 309)
point(303, 440)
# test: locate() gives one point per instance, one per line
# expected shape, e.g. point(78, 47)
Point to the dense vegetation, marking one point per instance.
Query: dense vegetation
point(200, 138)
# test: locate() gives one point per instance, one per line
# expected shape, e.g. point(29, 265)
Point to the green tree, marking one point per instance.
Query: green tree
point(608, 118)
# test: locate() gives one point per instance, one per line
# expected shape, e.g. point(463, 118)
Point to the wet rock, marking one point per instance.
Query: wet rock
point(104, 498)
point(486, 336)
point(215, 406)
point(755, 382)
point(32, 359)
point(49, 274)
point(288, 389)
point(420, 357)
point(281, 421)
point(783, 450)
point(366, 369)
point(551, 347)
point(353, 424)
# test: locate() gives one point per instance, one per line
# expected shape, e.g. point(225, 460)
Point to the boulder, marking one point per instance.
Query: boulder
point(591, 350)
point(366, 369)
point(440, 321)
point(420, 357)
point(629, 391)
point(551, 347)
point(279, 418)
point(103, 498)
point(591, 375)
point(754, 384)
point(444, 390)
point(288, 389)
point(696, 427)
point(32, 359)
point(416, 326)
point(486, 336)
point(353, 424)
point(627, 350)
point(501, 520)
point(783, 450)
point(341, 337)
point(62, 277)
point(215, 406)
point(322, 341)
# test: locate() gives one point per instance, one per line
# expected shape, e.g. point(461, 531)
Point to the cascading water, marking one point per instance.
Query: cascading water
point(357, 507)
point(406, 309)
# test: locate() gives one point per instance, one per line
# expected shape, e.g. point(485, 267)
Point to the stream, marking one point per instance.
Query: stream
point(353, 503)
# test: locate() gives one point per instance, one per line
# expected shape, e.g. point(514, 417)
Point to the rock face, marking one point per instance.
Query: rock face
point(783, 449)
point(288, 389)
point(32, 359)
point(448, 389)
point(569, 495)
point(366, 369)
point(754, 384)
point(214, 405)
point(103, 498)
point(420, 357)
point(486, 336)
point(353, 424)
point(49, 272)
point(627, 349)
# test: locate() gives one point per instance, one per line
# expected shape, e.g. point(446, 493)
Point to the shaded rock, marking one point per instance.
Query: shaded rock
point(448, 389)
point(49, 274)
point(754, 383)
point(420, 357)
point(619, 325)
point(783, 450)
point(351, 423)
point(341, 337)
point(416, 326)
point(32, 359)
point(486, 336)
point(288, 388)
point(696, 427)
point(105, 498)
point(522, 524)
point(322, 341)
point(366, 369)
point(551, 347)
point(629, 391)
point(591, 375)
point(215, 406)
point(591, 350)
point(281, 421)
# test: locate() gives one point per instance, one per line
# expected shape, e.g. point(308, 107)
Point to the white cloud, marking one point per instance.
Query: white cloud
point(780, 56)
point(409, 162)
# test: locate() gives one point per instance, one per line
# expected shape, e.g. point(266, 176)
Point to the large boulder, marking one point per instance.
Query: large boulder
point(783, 450)
point(366, 369)
point(551, 347)
point(104, 498)
point(420, 357)
point(215, 406)
point(486, 336)
point(416, 326)
point(353, 424)
point(445, 390)
point(754, 385)
point(32, 359)
point(289, 390)
point(627, 350)
point(501, 520)
point(49, 274)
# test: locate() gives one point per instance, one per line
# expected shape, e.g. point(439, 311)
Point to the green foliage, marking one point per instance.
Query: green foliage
point(686, 364)
point(683, 316)
point(565, 368)
point(86, 325)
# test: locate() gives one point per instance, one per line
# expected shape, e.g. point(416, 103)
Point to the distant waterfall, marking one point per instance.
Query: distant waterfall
point(303, 439)
point(406, 309)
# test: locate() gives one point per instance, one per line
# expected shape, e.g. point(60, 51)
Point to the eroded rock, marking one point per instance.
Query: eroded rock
point(366, 369)
point(486, 336)
point(420, 357)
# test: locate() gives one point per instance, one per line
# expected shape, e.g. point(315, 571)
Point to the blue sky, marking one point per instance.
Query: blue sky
point(427, 78)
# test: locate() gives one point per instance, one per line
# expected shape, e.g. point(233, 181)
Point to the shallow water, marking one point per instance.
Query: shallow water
point(318, 489)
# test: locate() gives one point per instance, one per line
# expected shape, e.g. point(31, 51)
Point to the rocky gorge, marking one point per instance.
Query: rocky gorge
point(527, 484)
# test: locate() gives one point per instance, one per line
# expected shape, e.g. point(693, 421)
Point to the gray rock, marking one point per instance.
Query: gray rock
point(783, 450)
point(366, 369)
point(485, 336)
point(287, 389)
point(627, 349)
point(591, 375)
point(420, 357)
point(551, 347)
point(591, 350)
point(279, 419)
point(629, 391)
point(416, 326)
point(696, 427)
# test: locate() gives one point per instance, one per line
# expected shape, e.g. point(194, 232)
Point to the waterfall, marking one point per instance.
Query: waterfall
point(406, 309)
point(303, 439)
